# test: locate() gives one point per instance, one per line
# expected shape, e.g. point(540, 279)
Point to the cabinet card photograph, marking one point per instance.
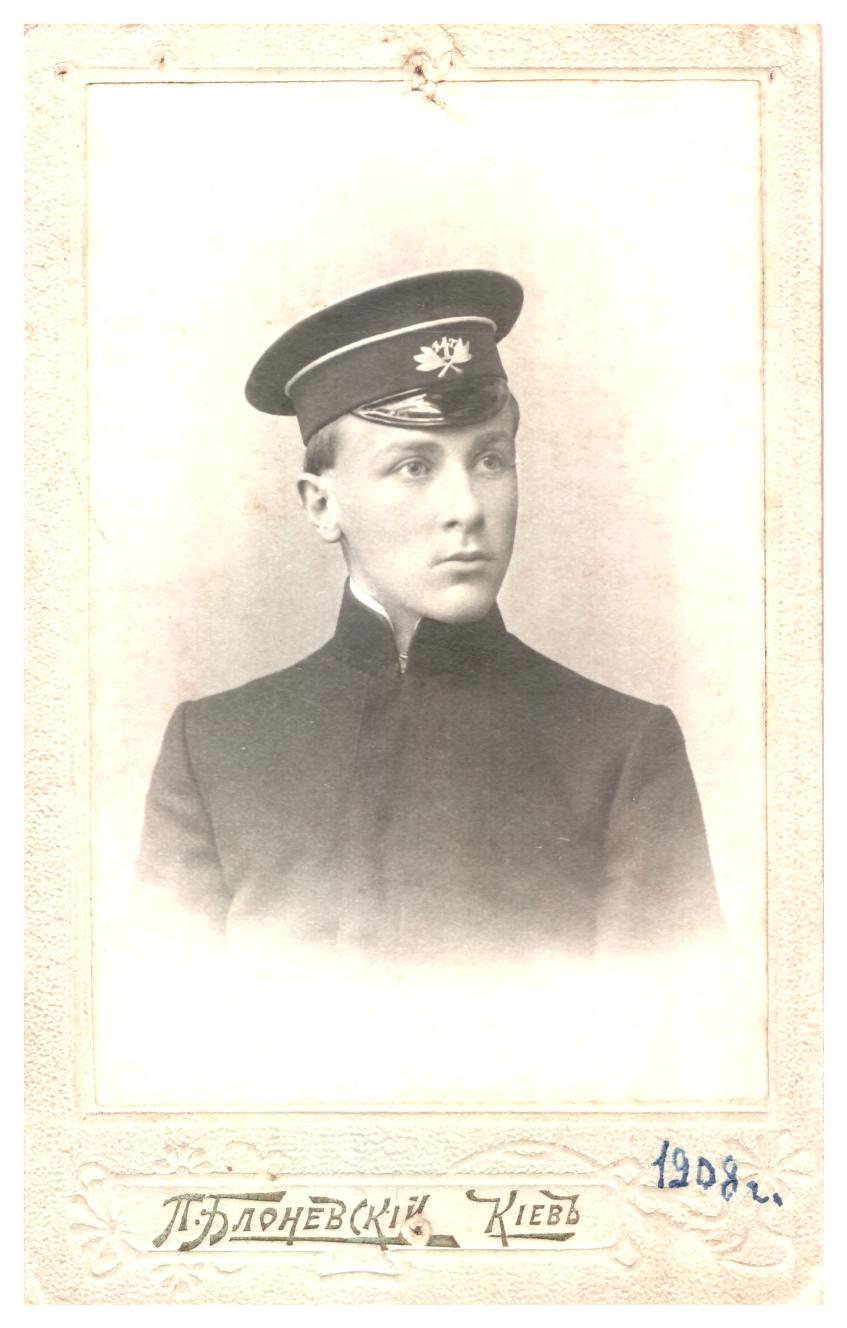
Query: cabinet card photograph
point(429, 446)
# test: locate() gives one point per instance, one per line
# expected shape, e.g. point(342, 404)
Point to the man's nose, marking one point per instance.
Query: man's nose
point(458, 503)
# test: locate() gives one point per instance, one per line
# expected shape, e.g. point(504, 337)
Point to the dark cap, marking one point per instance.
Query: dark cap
point(416, 352)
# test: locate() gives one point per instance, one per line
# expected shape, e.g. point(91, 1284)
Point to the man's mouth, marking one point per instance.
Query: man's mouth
point(466, 556)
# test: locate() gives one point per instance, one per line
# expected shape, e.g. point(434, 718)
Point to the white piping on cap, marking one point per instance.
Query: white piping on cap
point(384, 336)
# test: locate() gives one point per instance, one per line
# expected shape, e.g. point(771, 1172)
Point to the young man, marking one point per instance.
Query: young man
point(425, 783)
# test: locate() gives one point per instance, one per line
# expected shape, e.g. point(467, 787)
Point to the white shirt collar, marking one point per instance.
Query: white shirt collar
point(370, 603)
point(368, 600)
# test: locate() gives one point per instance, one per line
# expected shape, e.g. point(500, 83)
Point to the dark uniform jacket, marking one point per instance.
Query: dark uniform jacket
point(483, 799)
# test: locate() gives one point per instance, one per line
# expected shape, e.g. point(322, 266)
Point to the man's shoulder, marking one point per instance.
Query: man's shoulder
point(260, 697)
point(577, 698)
point(562, 678)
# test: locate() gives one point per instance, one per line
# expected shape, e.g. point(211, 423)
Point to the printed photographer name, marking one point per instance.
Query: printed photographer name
point(459, 1219)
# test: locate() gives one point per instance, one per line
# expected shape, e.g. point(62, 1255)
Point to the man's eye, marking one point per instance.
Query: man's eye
point(413, 469)
point(491, 462)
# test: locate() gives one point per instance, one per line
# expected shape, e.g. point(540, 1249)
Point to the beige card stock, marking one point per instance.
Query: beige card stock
point(538, 1132)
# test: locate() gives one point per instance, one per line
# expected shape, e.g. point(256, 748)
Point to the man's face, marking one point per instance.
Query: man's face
point(427, 517)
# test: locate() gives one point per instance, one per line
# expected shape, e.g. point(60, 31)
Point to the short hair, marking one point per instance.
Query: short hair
point(322, 448)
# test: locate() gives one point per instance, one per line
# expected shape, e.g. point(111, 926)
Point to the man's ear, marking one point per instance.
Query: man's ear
point(318, 499)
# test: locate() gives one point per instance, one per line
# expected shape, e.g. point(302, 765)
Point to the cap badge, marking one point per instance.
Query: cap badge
point(446, 353)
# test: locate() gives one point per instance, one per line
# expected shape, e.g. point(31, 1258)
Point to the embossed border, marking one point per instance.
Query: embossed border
point(674, 1253)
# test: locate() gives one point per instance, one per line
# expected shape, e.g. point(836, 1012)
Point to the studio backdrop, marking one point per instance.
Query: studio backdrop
point(218, 214)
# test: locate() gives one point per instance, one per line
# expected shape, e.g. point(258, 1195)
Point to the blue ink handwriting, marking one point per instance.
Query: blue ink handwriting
point(706, 1176)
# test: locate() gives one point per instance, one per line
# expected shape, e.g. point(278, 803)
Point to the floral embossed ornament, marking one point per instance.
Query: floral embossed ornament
point(446, 353)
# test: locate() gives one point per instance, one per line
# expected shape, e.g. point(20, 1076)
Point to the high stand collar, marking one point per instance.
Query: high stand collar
point(365, 640)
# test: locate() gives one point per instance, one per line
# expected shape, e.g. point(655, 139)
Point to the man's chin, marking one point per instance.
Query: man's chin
point(461, 604)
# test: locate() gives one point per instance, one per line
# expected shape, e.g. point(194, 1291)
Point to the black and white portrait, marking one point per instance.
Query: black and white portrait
point(427, 573)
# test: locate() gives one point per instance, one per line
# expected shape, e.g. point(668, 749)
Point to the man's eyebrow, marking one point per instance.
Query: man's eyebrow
point(416, 443)
point(413, 444)
point(495, 436)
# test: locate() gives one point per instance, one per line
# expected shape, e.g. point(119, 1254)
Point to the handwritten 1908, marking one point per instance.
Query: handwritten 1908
point(706, 1175)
